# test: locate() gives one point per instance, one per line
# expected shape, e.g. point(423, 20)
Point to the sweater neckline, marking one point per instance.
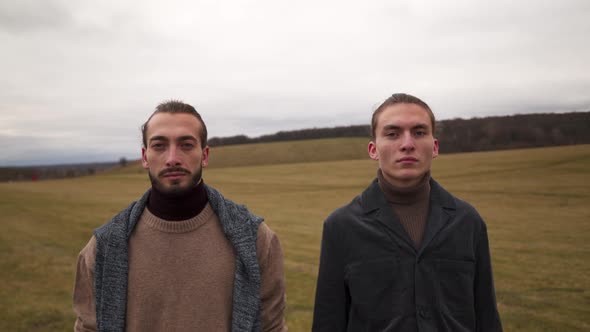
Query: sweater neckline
point(177, 226)
point(407, 195)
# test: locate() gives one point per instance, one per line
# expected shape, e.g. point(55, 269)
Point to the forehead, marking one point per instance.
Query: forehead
point(172, 125)
point(403, 114)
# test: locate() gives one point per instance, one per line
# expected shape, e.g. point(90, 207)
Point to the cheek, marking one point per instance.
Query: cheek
point(385, 153)
point(154, 159)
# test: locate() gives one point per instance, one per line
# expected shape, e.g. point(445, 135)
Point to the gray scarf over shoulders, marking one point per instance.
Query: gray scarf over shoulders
point(110, 272)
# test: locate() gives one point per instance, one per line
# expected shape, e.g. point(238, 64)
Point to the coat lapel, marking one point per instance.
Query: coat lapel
point(442, 208)
point(374, 201)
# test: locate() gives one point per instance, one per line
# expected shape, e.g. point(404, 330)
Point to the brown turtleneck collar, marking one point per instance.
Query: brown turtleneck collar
point(405, 196)
point(410, 205)
point(175, 208)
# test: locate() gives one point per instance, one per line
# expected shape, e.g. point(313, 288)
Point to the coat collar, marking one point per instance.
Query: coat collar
point(442, 208)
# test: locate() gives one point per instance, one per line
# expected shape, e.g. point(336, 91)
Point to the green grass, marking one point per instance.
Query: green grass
point(536, 203)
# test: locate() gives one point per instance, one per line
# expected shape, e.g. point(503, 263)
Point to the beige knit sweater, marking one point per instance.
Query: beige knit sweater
point(181, 276)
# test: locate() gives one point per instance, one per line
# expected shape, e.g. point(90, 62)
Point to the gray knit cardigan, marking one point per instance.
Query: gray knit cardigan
point(110, 272)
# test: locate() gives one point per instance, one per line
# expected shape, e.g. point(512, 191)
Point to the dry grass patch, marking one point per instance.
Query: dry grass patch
point(534, 201)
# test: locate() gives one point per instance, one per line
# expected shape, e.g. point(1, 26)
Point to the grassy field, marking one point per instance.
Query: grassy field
point(536, 203)
point(329, 149)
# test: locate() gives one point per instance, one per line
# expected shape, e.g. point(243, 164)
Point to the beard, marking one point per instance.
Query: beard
point(175, 189)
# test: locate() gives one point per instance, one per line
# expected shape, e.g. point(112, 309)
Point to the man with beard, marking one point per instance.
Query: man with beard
point(182, 257)
point(405, 254)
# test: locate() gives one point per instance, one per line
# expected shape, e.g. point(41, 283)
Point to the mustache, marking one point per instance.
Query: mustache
point(174, 170)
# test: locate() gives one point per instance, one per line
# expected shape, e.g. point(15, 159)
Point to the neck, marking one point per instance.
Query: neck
point(178, 207)
point(406, 194)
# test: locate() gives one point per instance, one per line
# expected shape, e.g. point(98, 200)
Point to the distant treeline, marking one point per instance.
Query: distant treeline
point(34, 173)
point(456, 135)
point(514, 132)
point(460, 135)
point(294, 135)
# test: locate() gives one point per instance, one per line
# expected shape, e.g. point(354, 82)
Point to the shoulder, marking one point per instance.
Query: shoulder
point(267, 244)
point(87, 255)
point(124, 220)
point(106, 228)
point(465, 208)
point(463, 212)
point(450, 201)
point(349, 211)
point(231, 213)
point(265, 235)
point(369, 200)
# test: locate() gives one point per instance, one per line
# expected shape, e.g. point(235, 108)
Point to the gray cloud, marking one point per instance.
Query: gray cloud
point(29, 15)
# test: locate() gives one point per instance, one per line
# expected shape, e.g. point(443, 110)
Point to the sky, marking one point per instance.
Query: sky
point(80, 77)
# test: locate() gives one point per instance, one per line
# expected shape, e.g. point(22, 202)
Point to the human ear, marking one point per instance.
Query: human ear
point(372, 150)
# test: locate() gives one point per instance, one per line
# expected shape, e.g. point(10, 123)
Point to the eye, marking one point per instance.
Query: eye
point(187, 146)
point(391, 134)
point(158, 146)
point(421, 133)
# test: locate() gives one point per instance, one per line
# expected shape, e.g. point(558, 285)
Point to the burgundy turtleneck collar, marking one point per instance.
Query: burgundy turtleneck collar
point(408, 195)
point(175, 208)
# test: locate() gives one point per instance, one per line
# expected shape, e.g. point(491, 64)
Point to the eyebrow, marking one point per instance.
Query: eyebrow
point(158, 138)
point(395, 127)
point(181, 138)
point(187, 138)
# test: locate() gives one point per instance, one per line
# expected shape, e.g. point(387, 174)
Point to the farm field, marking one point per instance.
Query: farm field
point(536, 203)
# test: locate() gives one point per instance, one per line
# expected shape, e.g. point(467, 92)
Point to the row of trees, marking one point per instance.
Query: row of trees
point(516, 131)
point(456, 135)
point(34, 173)
point(461, 135)
point(294, 135)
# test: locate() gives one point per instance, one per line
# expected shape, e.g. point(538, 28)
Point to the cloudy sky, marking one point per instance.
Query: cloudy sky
point(79, 77)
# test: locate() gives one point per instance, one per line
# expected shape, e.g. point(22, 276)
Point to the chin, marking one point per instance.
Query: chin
point(408, 174)
point(177, 187)
point(409, 177)
point(175, 190)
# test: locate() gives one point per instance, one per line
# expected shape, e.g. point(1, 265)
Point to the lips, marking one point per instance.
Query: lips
point(407, 160)
point(174, 172)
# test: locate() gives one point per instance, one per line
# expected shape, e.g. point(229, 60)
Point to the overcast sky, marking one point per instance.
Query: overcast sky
point(80, 77)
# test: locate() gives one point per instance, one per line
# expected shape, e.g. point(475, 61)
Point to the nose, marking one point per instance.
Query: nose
point(408, 143)
point(173, 158)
